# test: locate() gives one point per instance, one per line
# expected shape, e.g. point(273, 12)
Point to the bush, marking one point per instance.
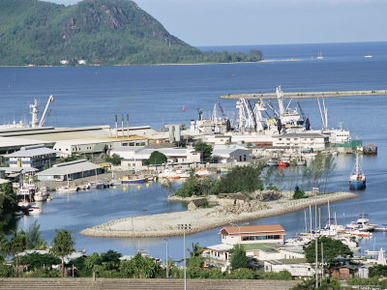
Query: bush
point(243, 273)
point(6, 270)
point(283, 275)
point(298, 193)
point(40, 273)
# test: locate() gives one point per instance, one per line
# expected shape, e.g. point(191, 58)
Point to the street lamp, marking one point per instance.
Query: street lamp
point(166, 259)
point(184, 227)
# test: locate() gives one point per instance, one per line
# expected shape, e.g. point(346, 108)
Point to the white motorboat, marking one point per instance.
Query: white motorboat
point(361, 224)
point(34, 209)
point(67, 189)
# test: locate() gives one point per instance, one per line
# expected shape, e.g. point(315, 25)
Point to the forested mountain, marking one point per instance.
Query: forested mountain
point(100, 32)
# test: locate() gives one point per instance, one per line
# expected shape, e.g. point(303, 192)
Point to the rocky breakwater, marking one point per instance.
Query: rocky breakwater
point(219, 211)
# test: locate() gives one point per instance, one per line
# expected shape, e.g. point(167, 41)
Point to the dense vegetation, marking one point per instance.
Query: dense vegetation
point(101, 32)
point(244, 179)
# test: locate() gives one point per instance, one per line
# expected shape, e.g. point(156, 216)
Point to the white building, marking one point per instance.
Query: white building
point(231, 153)
point(253, 234)
point(70, 171)
point(302, 140)
point(174, 155)
point(297, 267)
point(35, 156)
point(218, 255)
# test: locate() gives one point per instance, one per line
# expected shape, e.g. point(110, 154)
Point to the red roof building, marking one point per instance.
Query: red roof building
point(253, 234)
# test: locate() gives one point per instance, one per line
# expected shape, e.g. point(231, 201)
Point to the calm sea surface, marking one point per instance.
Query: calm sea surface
point(154, 95)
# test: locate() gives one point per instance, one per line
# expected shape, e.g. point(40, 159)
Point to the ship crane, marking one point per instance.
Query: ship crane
point(246, 115)
point(44, 115)
point(200, 112)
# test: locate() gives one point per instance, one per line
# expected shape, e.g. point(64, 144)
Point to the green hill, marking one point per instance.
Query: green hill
point(98, 31)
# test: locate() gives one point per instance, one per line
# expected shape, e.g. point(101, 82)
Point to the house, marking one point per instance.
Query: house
point(70, 171)
point(296, 267)
point(253, 234)
point(217, 255)
point(231, 153)
point(35, 156)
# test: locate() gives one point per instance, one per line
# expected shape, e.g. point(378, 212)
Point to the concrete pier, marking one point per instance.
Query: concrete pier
point(307, 95)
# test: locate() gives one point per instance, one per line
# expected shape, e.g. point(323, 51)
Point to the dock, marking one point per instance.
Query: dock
point(307, 95)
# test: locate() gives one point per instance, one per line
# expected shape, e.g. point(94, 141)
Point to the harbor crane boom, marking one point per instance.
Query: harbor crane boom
point(43, 118)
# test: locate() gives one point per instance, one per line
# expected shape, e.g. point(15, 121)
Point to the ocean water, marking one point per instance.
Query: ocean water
point(155, 95)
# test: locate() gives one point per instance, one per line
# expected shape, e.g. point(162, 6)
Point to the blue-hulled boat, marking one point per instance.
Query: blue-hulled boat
point(357, 179)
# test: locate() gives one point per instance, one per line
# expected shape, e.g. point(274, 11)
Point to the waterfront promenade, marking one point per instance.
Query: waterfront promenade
point(202, 219)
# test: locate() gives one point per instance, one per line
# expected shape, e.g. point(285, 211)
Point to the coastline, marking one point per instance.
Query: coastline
point(203, 219)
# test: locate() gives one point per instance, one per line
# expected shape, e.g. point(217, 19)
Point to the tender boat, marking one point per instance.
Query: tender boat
point(357, 179)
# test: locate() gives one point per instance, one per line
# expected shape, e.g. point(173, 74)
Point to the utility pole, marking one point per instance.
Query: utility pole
point(184, 227)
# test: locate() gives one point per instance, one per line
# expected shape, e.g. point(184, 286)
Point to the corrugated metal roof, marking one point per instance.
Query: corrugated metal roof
point(254, 229)
point(69, 168)
point(31, 152)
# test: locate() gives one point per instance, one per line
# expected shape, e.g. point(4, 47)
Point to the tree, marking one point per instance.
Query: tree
point(8, 199)
point(115, 159)
point(331, 249)
point(62, 245)
point(298, 193)
point(157, 158)
point(205, 149)
point(140, 267)
point(242, 179)
point(33, 237)
point(320, 170)
point(195, 261)
point(238, 257)
point(17, 244)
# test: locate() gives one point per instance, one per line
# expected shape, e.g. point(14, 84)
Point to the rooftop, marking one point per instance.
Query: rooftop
point(253, 229)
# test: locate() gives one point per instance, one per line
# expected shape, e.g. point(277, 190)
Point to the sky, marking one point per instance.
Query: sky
point(259, 22)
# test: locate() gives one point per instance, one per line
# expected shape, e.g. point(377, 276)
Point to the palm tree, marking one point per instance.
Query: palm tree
point(62, 245)
point(17, 244)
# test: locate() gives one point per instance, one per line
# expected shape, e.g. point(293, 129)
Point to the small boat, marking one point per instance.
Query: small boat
point(320, 56)
point(40, 196)
point(283, 163)
point(368, 56)
point(370, 149)
point(174, 173)
point(34, 209)
point(202, 172)
point(272, 162)
point(357, 179)
point(381, 228)
point(133, 179)
point(67, 189)
point(361, 224)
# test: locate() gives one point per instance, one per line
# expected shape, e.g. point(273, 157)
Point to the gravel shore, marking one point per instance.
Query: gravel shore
point(202, 219)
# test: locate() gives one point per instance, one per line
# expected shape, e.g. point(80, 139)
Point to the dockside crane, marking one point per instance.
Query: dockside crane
point(44, 115)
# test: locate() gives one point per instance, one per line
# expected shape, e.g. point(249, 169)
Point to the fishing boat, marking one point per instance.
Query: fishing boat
point(357, 179)
point(133, 179)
